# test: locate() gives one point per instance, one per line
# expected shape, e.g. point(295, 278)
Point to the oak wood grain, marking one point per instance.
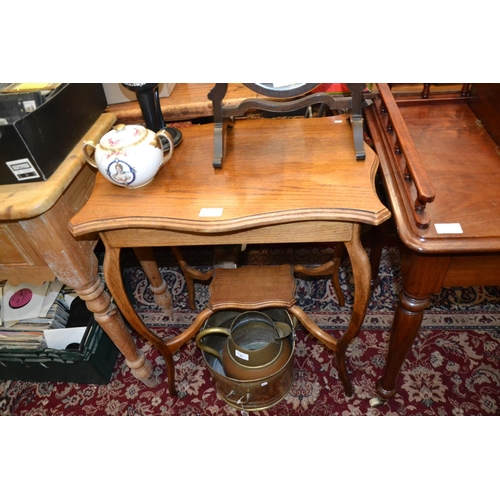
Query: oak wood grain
point(275, 172)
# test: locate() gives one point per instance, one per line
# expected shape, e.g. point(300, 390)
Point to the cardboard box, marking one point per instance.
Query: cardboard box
point(32, 147)
point(117, 93)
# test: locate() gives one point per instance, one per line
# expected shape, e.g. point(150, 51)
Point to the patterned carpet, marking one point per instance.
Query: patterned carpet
point(453, 367)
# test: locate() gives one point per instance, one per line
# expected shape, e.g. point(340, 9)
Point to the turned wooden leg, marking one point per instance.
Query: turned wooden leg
point(114, 281)
point(75, 264)
point(157, 284)
point(187, 276)
point(405, 327)
point(106, 314)
point(423, 275)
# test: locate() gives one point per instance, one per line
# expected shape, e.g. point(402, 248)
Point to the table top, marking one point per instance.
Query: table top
point(22, 201)
point(463, 165)
point(275, 171)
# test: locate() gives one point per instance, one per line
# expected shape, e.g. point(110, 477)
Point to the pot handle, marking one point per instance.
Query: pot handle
point(88, 159)
point(211, 331)
point(284, 330)
point(168, 155)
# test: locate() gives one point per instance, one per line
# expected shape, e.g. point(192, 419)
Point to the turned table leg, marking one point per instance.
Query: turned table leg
point(406, 324)
point(114, 281)
point(157, 284)
point(423, 275)
point(75, 264)
point(107, 316)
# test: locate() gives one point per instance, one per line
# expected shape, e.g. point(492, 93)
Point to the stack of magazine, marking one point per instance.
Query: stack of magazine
point(27, 310)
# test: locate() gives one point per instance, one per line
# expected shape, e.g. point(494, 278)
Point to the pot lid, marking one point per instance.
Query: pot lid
point(122, 136)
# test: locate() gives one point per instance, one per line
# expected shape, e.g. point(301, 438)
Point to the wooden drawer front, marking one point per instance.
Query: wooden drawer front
point(19, 262)
point(473, 270)
point(14, 250)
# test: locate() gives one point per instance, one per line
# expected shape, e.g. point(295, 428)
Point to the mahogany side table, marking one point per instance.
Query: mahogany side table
point(288, 180)
point(441, 170)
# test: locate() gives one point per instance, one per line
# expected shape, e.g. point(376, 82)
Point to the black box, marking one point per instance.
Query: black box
point(32, 147)
point(92, 362)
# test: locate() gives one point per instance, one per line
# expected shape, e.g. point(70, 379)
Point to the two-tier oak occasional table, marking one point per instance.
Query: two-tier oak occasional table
point(36, 245)
point(284, 180)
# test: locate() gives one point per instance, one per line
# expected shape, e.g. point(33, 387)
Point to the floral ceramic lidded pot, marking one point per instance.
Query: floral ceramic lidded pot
point(129, 155)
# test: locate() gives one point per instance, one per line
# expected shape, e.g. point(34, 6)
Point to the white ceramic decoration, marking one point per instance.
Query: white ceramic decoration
point(129, 155)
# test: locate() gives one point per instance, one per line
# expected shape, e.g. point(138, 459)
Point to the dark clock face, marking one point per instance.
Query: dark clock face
point(281, 90)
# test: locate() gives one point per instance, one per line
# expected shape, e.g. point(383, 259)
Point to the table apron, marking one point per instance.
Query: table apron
point(293, 232)
point(473, 270)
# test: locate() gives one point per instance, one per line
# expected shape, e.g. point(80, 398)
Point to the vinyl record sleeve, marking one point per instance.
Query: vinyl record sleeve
point(23, 301)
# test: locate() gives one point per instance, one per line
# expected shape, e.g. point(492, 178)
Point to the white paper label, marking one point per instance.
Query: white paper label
point(29, 106)
point(211, 212)
point(241, 355)
point(453, 228)
point(22, 169)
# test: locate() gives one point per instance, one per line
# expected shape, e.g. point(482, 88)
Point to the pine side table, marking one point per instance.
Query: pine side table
point(37, 246)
